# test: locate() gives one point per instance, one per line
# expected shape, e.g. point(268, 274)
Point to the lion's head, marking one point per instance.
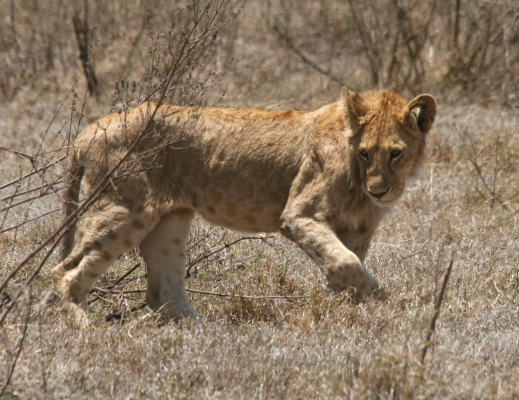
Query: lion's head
point(388, 137)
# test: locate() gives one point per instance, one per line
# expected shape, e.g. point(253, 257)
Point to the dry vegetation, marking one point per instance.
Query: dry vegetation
point(306, 342)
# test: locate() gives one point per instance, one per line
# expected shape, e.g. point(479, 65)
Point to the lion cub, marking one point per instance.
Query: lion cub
point(323, 178)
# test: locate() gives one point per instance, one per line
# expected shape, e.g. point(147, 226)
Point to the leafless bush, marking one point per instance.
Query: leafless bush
point(491, 157)
point(463, 48)
point(483, 49)
point(176, 64)
point(466, 48)
point(182, 52)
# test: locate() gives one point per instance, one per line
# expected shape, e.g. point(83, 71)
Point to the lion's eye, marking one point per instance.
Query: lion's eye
point(395, 154)
point(363, 154)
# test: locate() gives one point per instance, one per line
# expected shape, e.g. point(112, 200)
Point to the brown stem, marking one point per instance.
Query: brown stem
point(20, 344)
point(439, 301)
point(225, 246)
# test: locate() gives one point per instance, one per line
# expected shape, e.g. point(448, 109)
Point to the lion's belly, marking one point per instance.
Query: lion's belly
point(234, 198)
point(244, 217)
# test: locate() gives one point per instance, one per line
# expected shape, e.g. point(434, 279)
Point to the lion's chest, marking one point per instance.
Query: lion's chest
point(361, 220)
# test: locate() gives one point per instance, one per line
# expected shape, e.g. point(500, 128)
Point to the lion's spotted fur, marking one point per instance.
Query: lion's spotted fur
point(324, 178)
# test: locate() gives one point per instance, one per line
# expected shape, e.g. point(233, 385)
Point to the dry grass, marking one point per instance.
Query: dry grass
point(320, 346)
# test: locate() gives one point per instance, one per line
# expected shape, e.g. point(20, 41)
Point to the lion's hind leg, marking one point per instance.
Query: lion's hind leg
point(164, 251)
point(105, 235)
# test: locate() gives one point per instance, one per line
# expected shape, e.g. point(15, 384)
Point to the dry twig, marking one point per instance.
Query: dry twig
point(268, 297)
point(436, 314)
point(225, 246)
point(471, 155)
point(20, 343)
point(246, 297)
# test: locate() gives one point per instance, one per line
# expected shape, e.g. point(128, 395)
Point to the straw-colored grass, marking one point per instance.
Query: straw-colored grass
point(307, 343)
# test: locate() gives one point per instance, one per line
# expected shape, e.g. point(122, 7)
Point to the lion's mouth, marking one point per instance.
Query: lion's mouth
point(388, 199)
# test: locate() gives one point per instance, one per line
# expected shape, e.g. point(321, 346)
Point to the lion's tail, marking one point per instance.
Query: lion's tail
point(72, 183)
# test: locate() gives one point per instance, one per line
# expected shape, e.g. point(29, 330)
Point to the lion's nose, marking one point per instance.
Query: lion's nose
point(378, 192)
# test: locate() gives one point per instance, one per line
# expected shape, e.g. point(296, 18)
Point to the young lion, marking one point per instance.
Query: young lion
point(323, 178)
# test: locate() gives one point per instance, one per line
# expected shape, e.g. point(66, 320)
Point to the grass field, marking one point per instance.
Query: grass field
point(305, 343)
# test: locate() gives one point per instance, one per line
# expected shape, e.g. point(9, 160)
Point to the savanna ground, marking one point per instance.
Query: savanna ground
point(307, 342)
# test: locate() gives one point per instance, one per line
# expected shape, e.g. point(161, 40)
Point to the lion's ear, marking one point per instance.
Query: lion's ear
point(354, 104)
point(422, 110)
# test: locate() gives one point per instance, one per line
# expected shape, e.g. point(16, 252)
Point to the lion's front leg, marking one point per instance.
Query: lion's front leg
point(341, 266)
point(358, 242)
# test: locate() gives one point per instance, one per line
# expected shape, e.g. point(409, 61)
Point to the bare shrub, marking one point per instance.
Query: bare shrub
point(466, 48)
point(183, 52)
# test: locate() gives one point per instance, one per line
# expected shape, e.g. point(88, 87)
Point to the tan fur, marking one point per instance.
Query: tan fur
point(324, 178)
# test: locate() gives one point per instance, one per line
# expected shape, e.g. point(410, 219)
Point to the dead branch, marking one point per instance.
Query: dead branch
point(287, 40)
point(372, 52)
point(118, 292)
point(31, 158)
point(104, 290)
point(32, 173)
point(436, 314)
point(247, 297)
point(81, 30)
point(472, 157)
point(29, 220)
point(45, 186)
point(48, 189)
point(225, 246)
point(124, 276)
point(10, 202)
point(20, 343)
